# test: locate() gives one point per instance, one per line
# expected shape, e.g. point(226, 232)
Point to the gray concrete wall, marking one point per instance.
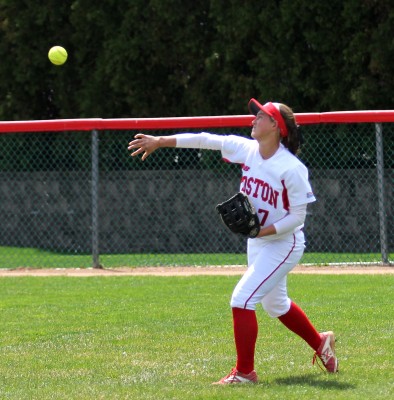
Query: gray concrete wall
point(174, 211)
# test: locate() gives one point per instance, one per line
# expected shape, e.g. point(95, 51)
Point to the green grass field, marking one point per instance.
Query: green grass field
point(170, 337)
point(15, 257)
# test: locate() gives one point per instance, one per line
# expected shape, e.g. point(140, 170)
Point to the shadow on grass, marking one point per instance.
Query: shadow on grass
point(314, 381)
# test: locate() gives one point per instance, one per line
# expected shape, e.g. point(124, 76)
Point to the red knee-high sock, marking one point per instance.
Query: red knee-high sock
point(245, 335)
point(297, 321)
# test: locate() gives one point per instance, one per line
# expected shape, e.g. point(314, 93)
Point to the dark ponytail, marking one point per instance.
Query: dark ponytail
point(293, 140)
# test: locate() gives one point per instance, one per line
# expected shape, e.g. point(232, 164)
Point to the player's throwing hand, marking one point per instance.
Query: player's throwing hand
point(145, 144)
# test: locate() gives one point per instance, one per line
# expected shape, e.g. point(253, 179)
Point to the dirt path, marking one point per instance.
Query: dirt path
point(189, 271)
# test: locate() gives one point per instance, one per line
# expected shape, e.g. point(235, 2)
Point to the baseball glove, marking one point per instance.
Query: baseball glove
point(239, 215)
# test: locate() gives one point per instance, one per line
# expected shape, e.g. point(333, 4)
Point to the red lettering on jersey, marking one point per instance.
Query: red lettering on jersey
point(269, 195)
point(285, 198)
point(246, 185)
point(260, 189)
point(265, 191)
point(273, 200)
point(248, 190)
point(259, 183)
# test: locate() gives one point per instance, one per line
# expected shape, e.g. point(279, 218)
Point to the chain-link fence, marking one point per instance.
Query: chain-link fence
point(77, 199)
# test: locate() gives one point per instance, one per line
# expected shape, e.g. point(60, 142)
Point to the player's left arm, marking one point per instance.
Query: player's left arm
point(294, 218)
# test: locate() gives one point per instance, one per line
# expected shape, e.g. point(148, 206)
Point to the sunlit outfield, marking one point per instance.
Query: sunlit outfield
point(14, 257)
point(170, 337)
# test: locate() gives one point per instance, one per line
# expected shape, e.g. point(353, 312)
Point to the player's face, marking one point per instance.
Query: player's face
point(262, 125)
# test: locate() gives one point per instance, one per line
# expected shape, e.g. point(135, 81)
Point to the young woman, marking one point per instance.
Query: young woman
point(276, 182)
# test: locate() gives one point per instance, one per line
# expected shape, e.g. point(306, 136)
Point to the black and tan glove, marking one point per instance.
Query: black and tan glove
point(239, 215)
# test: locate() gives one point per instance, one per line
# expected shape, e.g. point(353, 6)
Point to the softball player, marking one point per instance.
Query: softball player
point(276, 182)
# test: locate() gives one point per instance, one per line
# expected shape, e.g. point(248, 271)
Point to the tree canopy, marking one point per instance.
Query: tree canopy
point(158, 58)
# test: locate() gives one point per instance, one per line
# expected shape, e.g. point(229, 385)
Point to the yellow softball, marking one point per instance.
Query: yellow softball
point(57, 55)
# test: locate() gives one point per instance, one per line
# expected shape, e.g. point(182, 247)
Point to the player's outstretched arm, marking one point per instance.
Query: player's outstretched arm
point(147, 144)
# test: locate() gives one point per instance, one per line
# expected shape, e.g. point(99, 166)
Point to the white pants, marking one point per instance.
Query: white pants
point(265, 281)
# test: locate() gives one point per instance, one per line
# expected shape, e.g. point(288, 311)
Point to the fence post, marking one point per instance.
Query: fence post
point(95, 189)
point(380, 187)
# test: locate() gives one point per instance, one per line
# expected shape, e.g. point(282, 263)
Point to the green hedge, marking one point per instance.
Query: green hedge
point(181, 58)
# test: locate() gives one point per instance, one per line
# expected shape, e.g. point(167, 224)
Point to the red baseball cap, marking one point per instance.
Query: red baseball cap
point(273, 110)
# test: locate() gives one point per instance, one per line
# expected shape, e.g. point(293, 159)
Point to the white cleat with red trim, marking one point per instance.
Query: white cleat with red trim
point(237, 377)
point(326, 352)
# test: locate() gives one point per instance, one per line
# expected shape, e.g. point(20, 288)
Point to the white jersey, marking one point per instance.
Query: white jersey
point(272, 185)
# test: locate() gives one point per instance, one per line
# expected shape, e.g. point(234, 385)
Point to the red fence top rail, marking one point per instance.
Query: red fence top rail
point(187, 122)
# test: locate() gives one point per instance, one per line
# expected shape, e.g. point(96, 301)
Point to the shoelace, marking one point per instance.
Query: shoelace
point(315, 360)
